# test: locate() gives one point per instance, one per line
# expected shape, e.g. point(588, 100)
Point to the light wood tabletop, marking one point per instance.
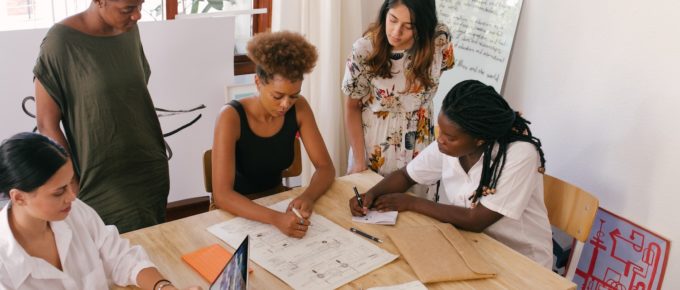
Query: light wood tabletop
point(166, 243)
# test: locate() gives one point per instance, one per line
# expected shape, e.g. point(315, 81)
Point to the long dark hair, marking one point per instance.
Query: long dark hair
point(424, 20)
point(481, 112)
point(28, 160)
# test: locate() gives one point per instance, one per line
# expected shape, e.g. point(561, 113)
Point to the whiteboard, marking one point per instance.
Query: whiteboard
point(191, 62)
point(482, 34)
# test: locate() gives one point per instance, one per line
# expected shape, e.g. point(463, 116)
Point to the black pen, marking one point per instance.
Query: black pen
point(359, 199)
point(365, 235)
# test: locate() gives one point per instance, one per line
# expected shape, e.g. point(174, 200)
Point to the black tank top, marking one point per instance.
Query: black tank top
point(260, 160)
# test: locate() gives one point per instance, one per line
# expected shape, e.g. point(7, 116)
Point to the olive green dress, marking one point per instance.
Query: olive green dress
point(100, 85)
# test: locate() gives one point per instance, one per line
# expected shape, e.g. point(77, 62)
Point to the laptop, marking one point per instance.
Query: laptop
point(234, 276)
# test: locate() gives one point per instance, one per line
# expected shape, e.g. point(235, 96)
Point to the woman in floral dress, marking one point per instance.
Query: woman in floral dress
point(389, 110)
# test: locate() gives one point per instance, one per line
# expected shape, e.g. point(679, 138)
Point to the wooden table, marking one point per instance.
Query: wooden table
point(166, 243)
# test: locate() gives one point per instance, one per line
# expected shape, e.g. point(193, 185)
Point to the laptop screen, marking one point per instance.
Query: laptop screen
point(234, 276)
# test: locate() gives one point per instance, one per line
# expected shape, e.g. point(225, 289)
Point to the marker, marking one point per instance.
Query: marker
point(297, 213)
point(359, 199)
point(365, 235)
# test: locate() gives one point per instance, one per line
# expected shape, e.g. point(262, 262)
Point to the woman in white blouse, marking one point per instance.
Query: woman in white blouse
point(51, 240)
point(490, 170)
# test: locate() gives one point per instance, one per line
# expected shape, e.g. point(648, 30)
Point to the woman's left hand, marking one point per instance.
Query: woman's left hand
point(393, 201)
point(303, 204)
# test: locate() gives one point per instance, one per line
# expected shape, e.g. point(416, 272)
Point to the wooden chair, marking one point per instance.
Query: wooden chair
point(571, 210)
point(295, 169)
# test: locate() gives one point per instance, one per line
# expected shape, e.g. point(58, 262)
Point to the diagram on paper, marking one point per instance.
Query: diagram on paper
point(328, 257)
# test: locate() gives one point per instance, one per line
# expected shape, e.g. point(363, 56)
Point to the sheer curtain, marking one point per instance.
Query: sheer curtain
point(332, 26)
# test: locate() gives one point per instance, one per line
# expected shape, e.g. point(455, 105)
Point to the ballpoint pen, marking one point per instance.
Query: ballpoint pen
point(297, 213)
point(359, 199)
point(365, 235)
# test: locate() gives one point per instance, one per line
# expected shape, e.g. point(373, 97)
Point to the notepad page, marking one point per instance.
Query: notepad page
point(376, 217)
point(208, 261)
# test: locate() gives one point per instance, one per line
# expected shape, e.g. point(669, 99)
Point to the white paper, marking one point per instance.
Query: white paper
point(376, 217)
point(482, 34)
point(328, 257)
point(413, 285)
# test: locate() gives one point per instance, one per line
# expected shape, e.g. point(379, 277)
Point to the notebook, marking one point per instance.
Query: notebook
point(378, 218)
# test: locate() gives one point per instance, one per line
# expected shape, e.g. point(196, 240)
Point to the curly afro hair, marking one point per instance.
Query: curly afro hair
point(283, 53)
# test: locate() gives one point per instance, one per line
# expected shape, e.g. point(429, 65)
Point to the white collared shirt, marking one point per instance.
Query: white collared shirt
point(92, 255)
point(524, 226)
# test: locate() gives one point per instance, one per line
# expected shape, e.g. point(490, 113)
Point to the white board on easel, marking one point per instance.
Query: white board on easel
point(482, 34)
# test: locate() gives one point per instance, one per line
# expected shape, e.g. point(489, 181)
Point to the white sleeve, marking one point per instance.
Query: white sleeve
point(122, 262)
point(518, 181)
point(426, 168)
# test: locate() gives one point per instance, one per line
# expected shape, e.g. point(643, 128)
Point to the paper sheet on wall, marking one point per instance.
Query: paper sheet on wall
point(378, 218)
point(482, 34)
point(328, 257)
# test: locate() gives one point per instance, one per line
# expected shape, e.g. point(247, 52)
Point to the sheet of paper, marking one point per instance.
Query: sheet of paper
point(413, 285)
point(376, 217)
point(328, 257)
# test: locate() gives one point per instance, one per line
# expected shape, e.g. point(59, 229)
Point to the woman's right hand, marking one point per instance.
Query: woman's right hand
point(366, 200)
point(290, 225)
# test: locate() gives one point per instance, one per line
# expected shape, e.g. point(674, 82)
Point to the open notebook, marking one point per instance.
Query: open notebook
point(378, 218)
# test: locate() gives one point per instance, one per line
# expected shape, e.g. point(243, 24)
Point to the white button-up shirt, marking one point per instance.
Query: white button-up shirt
point(519, 195)
point(92, 255)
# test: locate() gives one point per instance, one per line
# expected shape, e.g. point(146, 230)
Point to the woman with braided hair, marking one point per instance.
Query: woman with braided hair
point(490, 167)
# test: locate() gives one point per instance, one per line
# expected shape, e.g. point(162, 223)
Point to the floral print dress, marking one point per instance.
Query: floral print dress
point(397, 124)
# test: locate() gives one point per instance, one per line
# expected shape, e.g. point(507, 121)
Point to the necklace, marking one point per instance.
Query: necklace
point(396, 55)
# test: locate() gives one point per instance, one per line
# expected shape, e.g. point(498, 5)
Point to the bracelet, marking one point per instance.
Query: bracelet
point(160, 284)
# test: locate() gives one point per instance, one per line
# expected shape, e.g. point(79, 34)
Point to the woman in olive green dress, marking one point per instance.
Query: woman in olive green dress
point(91, 76)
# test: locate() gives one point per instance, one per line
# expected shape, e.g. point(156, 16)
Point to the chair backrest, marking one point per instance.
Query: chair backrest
point(207, 170)
point(570, 209)
point(295, 168)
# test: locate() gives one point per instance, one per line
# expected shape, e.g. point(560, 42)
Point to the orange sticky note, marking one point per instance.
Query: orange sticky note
point(209, 261)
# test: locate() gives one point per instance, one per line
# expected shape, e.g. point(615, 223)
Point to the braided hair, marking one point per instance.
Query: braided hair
point(481, 112)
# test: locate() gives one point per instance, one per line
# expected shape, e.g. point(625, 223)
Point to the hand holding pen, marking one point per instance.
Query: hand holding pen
point(359, 204)
point(291, 223)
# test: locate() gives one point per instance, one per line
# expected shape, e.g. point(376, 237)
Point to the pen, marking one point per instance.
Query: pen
point(365, 235)
point(297, 213)
point(359, 199)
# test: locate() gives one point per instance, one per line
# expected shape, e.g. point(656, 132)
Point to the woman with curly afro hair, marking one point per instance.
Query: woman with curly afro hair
point(254, 136)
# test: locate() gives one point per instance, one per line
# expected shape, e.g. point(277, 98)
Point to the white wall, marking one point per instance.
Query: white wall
point(599, 79)
point(191, 63)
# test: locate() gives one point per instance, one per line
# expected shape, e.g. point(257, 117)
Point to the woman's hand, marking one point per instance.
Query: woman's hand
point(290, 225)
point(394, 201)
point(357, 166)
point(366, 200)
point(303, 204)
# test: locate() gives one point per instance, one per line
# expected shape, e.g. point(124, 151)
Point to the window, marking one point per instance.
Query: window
point(246, 26)
point(30, 14)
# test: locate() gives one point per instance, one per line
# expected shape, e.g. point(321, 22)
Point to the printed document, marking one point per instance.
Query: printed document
point(328, 257)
